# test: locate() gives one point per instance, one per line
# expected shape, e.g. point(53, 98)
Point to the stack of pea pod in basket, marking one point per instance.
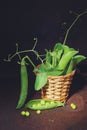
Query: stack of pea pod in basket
point(55, 75)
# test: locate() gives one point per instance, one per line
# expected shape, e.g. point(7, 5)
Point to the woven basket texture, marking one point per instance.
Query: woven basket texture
point(57, 87)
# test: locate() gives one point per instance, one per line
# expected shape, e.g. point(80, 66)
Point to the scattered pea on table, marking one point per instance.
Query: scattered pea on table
point(25, 113)
point(73, 106)
point(38, 112)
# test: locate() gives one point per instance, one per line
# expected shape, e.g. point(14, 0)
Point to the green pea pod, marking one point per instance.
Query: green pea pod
point(70, 67)
point(59, 55)
point(41, 104)
point(24, 85)
point(54, 73)
point(58, 46)
point(78, 58)
point(74, 61)
point(48, 66)
point(41, 68)
point(66, 49)
point(48, 56)
point(54, 58)
point(66, 59)
point(41, 80)
point(58, 49)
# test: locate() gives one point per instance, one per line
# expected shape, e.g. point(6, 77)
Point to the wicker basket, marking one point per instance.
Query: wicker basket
point(57, 87)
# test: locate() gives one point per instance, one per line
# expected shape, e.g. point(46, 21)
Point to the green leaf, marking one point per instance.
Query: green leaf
point(41, 80)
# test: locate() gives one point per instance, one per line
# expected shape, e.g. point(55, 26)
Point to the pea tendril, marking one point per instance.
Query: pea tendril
point(17, 53)
point(68, 30)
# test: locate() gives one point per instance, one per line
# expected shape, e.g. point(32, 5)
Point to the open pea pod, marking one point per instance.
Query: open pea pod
point(42, 104)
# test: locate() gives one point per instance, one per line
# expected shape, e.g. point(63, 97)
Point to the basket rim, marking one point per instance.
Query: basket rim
point(60, 76)
point(67, 75)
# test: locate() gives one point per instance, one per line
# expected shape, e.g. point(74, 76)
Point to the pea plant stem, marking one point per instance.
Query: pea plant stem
point(25, 51)
point(27, 57)
point(68, 30)
point(17, 51)
point(36, 40)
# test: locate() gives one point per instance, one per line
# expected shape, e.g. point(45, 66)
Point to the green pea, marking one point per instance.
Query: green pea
point(73, 106)
point(24, 85)
point(52, 102)
point(42, 102)
point(27, 113)
point(23, 113)
point(47, 103)
point(38, 104)
point(34, 105)
point(38, 112)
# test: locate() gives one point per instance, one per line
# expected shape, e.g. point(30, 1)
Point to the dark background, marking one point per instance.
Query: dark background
point(21, 21)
